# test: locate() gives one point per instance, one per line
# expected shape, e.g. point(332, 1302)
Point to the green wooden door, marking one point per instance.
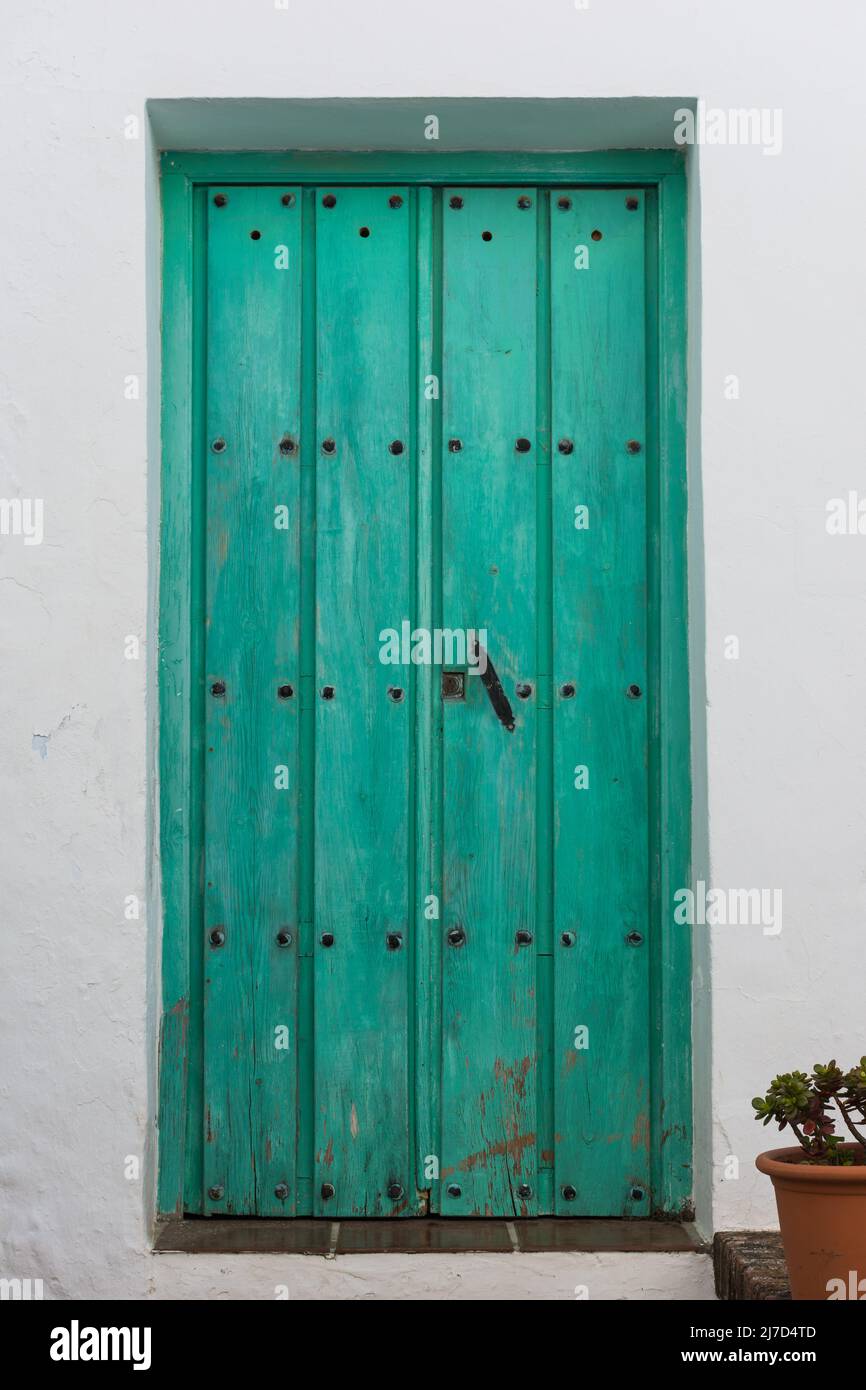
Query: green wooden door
point(426, 890)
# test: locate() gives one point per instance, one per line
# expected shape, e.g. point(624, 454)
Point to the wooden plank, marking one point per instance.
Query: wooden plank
point(489, 553)
point(364, 738)
point(250, 1034)
point(175, 676)
point(477, 167)
point(602, 1099)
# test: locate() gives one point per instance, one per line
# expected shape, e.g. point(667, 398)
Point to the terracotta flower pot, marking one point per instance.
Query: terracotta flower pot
point(822, 1213)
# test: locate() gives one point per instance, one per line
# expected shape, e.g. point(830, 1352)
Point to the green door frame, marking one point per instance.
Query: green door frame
point(185, 178)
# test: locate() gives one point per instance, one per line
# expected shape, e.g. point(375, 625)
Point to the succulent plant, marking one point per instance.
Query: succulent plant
point(805, 1103)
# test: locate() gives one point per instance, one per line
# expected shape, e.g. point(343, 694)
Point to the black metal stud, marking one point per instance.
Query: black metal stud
point(522, 446)
point(569, 1193)
point(523, 937)
point(567, 690)
point(634, 938)
point(220, 200)
point(633, 446)
point(524, 1191)
point(281, 1191)
point(563, 204)
point(288, 200)
point(216, 1193)
point(634, 692)
point(327, 938)
point(455, 202)
point(395, 1191)
point(218, 688)
point(395, 201)
point(454, 446)
point(524, 691)
point(287, 444)
point(486, 236)
point(329, 201)
point(284, 937)
point(456, 936)
point(396, 693)
point(637, 1194)
point(219, 446)
point(524, 202)
point(596, 235)
point(255, 236)
point(567, 938)
point(217, 936)
point(364, 231)
point(329, 446)
point(327, 1190)
point(455, 1190)
point(285, 692)
point(327, 692)
point(632, 204)
point(393, 941)
point(566, 446)
point(396, 446)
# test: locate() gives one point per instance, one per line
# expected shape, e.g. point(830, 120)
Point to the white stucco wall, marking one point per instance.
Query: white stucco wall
point(778, 301)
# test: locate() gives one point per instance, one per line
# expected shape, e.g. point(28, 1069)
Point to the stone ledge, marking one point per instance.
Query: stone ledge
point(750, 1265)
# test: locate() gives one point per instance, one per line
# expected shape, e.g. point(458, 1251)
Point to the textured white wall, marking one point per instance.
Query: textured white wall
point(781, 306)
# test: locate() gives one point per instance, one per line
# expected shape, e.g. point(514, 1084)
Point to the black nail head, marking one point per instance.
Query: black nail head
point(567, 691)
point(596, 235)
point(281, 1191)
point(216, 936)
point(327, 692)
point(327, 1190)
point(563, 204)
point(633, 446)
point(393, 941)
point(454, 1189)
point(220, 200)
point(285, 692)
point(284, 937)
point(327, 938)
point(566, 446)
point(395, 693)
point(218, 688)
point(523, 446)
point(524, 1191)
point(524, 202)
point(396, 446)
point(456, 936)
point(632, 204)
point(395, 1191)
point(454, 446)
point(255, 236)
point(288, 200)
point(218, 446)
point(328, 446)
point(634, 692)
point(215, 1193)
point(524, 691)
point(395, 201)
point(329, 201)
point(569, 1192)
point(524, 938)
point(567, 938)
point(287, 444)
point(455, 202)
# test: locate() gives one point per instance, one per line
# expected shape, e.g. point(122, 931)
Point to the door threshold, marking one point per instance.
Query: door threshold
point(431, 1235)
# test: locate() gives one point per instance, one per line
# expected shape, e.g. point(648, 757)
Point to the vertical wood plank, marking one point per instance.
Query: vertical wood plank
point(250, 1033)
point(602, 1099)
point(364, 738)
point(489, 582)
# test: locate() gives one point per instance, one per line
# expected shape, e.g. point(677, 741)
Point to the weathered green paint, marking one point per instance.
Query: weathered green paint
point(489, 1123)
point(251, 768)
point(599, 591)
point(364, 269)
point(457, 1053)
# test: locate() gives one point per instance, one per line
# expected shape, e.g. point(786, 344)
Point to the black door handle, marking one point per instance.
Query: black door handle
point(493, 685)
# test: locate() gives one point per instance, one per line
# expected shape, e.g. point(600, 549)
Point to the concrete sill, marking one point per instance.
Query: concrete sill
point(302, 1236)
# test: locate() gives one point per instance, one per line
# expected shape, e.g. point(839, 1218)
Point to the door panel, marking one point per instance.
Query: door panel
point(251, 769)
point(461, 374)
point(363, 734)
point(599, 588)
point(488, 541)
